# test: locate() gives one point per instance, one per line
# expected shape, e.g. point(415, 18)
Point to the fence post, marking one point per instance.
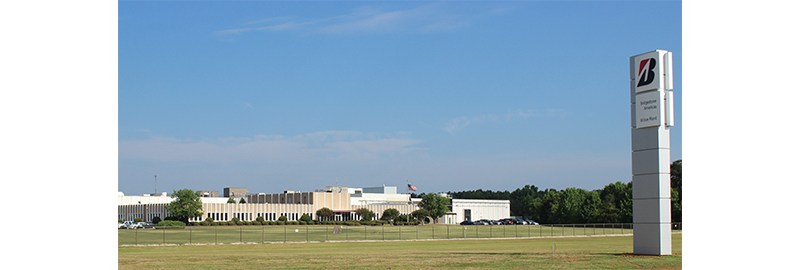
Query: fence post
point(240, 234)
point(306, 233)
point(383, 232)
point(215, 235)
point(284, 233)
point(164, 235)
point(262, 234)
point(448, 231)
point(190, 234)
point(136, 238)
point(400, 232)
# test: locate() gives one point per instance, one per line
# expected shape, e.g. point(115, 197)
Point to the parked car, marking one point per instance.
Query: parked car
point(145, 225)
point(481, 222)
point(467, 222)
point(531, 222)
point(124, 225)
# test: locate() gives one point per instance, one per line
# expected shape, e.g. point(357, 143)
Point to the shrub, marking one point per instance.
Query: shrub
point(280, 222)
point(305, 218)
point(209, 219)
point(282, 218)
point(156, 220)
point(352, 223)
point(265, 223)
point(119, 220)
point(231, 223)
point(171, 224)
point(260, 219)
point(292, 223)
point(137, 219)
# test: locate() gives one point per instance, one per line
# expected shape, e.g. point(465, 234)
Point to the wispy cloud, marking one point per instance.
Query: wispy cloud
point(463, 122)
point(347, 145)
point(426, 18)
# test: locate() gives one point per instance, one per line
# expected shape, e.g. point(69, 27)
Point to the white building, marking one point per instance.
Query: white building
point(342, 200)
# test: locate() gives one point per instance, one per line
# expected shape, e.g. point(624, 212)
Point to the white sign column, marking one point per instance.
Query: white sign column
point(651, 117)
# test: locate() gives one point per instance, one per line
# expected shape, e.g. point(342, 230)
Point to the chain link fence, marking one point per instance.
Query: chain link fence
point(326, 233)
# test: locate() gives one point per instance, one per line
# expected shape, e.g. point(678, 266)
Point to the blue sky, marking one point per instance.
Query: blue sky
point(449, 96)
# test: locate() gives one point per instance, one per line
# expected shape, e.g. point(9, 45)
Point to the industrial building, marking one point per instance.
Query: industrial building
point(292, 204)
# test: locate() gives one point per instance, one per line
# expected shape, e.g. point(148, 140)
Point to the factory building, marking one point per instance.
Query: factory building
point(343, 201)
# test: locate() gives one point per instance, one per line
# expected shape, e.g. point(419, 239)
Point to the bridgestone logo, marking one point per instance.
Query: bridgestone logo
point(646, 75)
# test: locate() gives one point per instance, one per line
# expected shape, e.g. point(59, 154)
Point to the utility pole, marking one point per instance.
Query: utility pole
point(156, 192)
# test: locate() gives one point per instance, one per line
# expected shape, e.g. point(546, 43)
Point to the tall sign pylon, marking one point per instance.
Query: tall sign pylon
point(651, 116)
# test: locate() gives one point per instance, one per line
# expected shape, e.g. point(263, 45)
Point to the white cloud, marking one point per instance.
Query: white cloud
point(463, 122)
point(347, 145)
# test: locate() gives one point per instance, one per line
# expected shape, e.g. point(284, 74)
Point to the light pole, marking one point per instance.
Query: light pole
point(156, 184)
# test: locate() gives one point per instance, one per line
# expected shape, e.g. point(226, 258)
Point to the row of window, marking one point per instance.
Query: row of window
point(249, 216)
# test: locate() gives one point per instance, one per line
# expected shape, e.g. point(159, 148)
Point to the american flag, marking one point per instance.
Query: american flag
point(412, 187)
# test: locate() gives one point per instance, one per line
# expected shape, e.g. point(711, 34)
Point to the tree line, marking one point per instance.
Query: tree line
point(611, 204)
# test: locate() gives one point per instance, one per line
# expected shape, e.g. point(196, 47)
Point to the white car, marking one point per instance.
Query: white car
point(125, 225)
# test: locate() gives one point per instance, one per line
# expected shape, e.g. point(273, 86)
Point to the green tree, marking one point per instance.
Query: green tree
point(282, 218)
point(676, 192)
point(324, 214)
point(156, 220)
point(521, 198)
point(365, 214)
point(242, 200)
point(420, 214)
point(186, 205)
point(231, 200)
point(260, 219)
point(305, 218)
point(617, 206)
point(543, 208)
point(390, 214)
point(435, 204)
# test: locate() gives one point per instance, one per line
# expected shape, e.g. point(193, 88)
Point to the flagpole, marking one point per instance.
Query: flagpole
point(409, 203)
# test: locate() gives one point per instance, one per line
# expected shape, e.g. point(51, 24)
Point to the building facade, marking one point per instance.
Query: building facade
point(342, 201)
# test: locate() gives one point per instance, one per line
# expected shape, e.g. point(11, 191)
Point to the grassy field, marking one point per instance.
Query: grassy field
point(597, 252)
point(318, 233)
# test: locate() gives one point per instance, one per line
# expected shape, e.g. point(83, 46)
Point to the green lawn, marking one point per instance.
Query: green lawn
point(599, 252)
point(320, 233)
